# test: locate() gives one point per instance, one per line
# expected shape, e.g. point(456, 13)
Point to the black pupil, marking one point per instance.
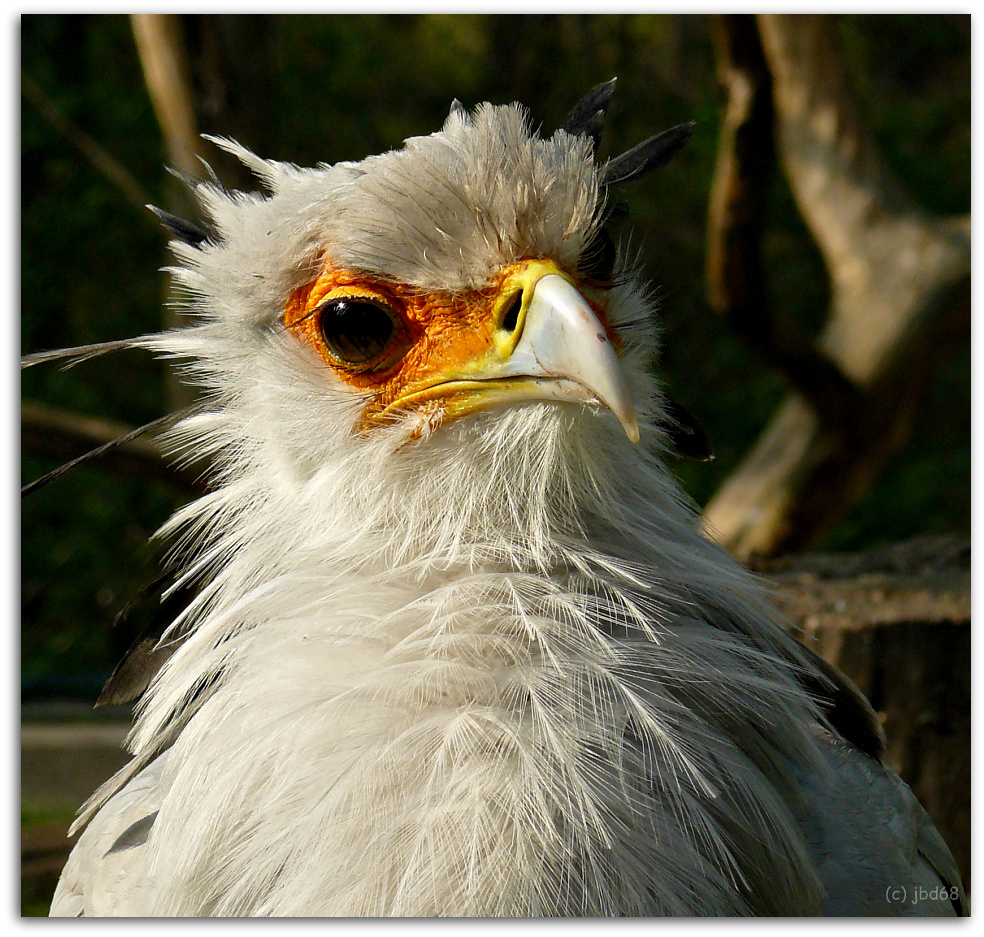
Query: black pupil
point(356, 330)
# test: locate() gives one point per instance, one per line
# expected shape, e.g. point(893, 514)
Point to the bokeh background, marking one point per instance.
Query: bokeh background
point(325, 88)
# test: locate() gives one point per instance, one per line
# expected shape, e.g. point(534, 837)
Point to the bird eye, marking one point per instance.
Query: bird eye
point(357, 331)
point(597, 262)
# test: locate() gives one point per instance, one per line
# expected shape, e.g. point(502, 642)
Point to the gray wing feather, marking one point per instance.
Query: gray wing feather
point(876, 849)
point(106, 872)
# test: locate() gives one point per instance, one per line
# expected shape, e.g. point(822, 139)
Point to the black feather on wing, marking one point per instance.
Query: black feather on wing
point(844, 706)
point(685, 433)
point(146, 655)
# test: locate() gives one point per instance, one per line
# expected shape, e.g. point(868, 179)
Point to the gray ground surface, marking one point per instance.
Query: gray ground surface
point(67, 751)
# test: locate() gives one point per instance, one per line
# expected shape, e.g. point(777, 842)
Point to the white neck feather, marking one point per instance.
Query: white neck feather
point(418, 677)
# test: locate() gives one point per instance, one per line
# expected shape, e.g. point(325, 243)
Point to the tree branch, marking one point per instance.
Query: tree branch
point(900, 284)
point(98, 156)
point(885, 257)
point(736, 222)
point(63, 435)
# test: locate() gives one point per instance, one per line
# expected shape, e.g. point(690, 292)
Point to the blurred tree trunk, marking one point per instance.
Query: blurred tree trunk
point(161, 49)
point(202, 73)
point(900, 285)
point(207, 73)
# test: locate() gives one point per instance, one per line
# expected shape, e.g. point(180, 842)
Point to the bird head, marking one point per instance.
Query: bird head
point(360, 321)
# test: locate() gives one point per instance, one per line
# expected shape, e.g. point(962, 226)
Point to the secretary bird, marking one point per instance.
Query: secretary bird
point(456, 645)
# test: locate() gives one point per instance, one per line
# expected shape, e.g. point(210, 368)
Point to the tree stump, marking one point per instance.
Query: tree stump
point(897, 622)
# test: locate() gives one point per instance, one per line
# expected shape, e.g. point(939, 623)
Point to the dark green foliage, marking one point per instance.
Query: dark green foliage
point(89, 273)
point(913, 80)
point(325, 88)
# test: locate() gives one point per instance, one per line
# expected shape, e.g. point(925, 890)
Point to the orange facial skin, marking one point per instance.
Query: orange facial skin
point(437, 332)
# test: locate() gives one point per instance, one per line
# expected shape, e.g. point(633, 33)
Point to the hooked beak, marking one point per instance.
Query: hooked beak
point(547, 344)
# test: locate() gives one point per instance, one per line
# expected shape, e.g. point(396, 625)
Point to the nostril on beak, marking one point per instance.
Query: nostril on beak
point(511, 319)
